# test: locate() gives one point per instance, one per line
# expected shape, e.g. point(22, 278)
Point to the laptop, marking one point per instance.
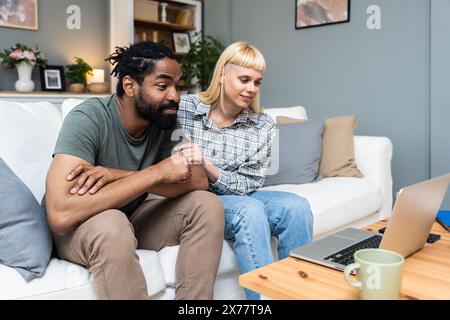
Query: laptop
point(407, 230)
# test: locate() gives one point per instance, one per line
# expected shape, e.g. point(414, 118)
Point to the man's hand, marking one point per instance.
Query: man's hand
point(92, 178)
point(174, 169)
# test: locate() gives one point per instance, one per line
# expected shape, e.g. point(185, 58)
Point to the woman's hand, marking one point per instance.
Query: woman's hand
point(192, 153)
point(93, 178)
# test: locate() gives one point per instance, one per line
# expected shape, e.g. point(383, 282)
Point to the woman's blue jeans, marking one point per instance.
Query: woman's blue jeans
point(251, 220)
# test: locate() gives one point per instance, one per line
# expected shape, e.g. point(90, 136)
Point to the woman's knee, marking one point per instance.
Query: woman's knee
point(248, 215)
point(292, 207)
point(252, 210)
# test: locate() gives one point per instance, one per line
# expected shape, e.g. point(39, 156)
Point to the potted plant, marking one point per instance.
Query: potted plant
point(76, 75)
point(201, 59)
point(24, 59)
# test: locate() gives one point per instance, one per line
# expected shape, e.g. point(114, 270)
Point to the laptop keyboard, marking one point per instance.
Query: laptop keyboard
point(345, 256)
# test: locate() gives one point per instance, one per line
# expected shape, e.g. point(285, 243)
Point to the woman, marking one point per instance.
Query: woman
point(232, 138)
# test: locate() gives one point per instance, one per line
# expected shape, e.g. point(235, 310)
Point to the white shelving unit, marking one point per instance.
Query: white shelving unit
point(55, 98)
point(122, 24)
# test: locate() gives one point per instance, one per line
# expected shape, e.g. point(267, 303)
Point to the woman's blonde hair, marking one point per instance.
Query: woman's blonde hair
point(239, 53)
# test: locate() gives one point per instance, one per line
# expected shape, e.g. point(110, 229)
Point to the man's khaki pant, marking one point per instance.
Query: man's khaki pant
point(107, 242)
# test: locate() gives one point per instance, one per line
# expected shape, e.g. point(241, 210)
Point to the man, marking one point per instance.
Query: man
point(109, 154)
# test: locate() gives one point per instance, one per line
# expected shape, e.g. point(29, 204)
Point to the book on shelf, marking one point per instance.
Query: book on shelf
point(185, 17)
point(147, 36)
point(146, 10)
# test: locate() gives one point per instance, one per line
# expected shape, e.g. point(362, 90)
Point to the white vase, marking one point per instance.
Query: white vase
point(164, 12)
point(24, 70)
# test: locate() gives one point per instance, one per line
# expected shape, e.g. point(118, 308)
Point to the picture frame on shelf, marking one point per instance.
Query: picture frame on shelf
point(52, 78)
point(21, 14)
point(181, 42)
point(316, 13)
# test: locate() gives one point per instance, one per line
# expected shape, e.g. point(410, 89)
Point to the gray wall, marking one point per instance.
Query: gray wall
point(440, 92)
point(217, 19)
point(59, 44)
point(383, 76)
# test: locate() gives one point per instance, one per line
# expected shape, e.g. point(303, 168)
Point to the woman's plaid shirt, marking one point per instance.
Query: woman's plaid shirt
point(240, 151)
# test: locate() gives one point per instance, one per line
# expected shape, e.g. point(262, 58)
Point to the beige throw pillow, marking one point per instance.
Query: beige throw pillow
point(338, 150)
point(285, 120)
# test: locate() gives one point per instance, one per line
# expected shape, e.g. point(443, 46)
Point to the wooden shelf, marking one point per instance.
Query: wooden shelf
point(56, 98)
point(48, 93)
point(162, 26)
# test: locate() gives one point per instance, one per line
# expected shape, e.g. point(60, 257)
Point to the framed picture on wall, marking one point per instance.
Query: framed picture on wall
point(52, 78)
point(22, 14)
point(314, 13)
point(181, 42)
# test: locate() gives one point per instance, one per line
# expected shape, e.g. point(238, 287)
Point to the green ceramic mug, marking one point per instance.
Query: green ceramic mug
point(379, 274)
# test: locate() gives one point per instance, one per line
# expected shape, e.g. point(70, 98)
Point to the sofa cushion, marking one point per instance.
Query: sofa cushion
point(168, 258)
point(28, 133)
point(299, 148)
point(338, 151)
point(65, 280)
point(337, 201)
point(286, 120)
point(25, 241)
point(68, 105)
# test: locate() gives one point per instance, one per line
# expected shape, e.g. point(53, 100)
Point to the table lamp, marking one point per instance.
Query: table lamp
point(97, 81)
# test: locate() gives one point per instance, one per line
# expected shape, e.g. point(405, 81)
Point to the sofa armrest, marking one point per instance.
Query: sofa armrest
point(373, 157)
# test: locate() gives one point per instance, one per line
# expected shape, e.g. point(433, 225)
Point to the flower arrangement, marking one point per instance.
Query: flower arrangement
point(22, 53)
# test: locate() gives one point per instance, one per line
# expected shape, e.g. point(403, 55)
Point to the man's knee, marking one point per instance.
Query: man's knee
point(207, 208)
point(112, 231)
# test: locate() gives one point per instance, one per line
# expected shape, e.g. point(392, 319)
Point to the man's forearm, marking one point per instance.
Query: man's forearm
point(123, 173)
point(76, 209)
point(198, 181)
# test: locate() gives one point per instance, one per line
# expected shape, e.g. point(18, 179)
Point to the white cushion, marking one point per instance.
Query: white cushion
point(65, 280)
point(168, 258)
point(337, 201)
point(292, 112)
point(28, 133)
point(68, 105)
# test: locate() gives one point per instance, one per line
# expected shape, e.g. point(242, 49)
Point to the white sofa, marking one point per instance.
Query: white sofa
point(28, 132)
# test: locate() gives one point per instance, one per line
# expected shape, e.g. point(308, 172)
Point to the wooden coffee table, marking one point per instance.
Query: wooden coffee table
point(426, 275)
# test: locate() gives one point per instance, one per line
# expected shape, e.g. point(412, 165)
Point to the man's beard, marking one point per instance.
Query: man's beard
point(155, 114)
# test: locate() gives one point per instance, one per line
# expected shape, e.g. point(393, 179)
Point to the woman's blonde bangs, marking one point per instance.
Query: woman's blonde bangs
point(249, 57)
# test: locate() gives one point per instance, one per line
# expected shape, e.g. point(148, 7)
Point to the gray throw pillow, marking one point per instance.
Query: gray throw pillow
point(25, 240)
point(300, 146)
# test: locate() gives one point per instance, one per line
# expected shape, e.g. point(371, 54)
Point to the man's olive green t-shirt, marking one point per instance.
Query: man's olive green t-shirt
point(92, 131)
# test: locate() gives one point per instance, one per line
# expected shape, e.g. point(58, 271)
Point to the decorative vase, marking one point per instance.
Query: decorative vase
point(24, 70)
point(164, 11)
point(98, 87)
point(77, 87)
